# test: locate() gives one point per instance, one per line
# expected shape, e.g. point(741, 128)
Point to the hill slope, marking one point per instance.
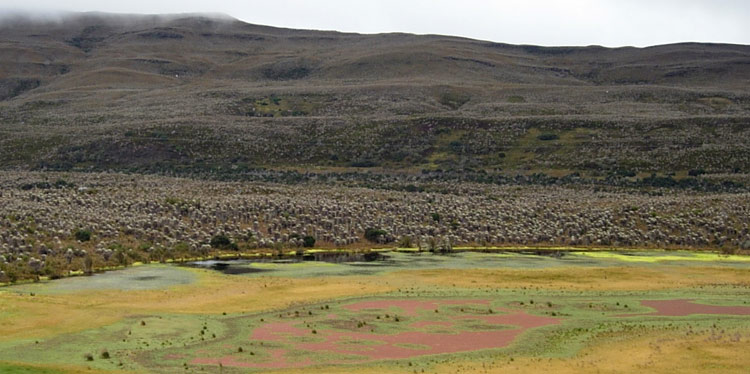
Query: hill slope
point(210, 93)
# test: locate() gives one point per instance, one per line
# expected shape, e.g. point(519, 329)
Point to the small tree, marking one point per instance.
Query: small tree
point(374, 235)
point(82, 235)
point(308, 241)
point(121, 258)
point(88, 265)
point(221, 241)
point(52, 268)
point(432, 244)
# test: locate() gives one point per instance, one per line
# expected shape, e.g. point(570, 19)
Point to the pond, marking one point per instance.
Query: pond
point(369, 263)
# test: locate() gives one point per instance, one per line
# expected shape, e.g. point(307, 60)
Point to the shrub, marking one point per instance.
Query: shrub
point(454, 100)
point(105, 354)
point(88, 357)
point(413, 188)
point(62, 183)
point(88, 265)
point(181, 247)
point(696, 172)
point(405, 242)
point(308, 241)
point(728, 250)
point(456, 146)
point(548, 136)
point(221, 241)
point(53, 269)
point(82, 235)
point(431, 244)
point(11, 274)
point(373, 234)
point(364, 164)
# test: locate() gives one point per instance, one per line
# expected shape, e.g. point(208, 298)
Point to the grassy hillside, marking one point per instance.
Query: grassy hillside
point(212, 94)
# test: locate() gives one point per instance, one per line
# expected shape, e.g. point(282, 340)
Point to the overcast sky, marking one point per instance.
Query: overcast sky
point(542, 22)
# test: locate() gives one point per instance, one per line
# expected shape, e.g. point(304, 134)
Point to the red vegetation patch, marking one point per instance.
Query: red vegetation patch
point(676, 308)
point(406, 344)
point(277, 331)
point(277, 360)
point(361, 347)
point(421, 324)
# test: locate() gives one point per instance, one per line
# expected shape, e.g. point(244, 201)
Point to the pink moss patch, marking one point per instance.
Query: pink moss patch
point(277, 360)
point(677, 308)
point(408, 344)
point(409, 307)
point(421, 324)
point(333, 346)
point(277, 331)
point(515, 318)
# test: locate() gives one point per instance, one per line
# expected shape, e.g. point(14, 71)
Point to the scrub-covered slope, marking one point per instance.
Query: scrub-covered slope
point(215, 95)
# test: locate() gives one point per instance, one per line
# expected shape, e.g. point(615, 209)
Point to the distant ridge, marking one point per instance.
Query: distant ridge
point(208, 92)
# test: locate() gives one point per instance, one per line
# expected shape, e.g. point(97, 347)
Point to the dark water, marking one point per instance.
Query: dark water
point(241, 266)
point(344, 257)
point(379, 262)
point(146, 278)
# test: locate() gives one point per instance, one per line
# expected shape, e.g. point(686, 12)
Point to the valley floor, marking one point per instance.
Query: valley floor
point(469, 312)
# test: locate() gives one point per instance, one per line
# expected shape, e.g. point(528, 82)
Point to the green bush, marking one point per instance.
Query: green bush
point(221, 241)
point(308, 241)
point(372, 234)
point(413, 188)
point(82, 235)
point(53, 269)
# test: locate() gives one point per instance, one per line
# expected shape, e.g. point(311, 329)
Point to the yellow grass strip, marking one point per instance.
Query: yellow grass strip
point(581, 279)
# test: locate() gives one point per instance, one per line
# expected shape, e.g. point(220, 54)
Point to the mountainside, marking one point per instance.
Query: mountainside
point(210, 94)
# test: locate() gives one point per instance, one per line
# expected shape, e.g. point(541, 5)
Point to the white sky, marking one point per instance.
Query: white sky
point(541, 22)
